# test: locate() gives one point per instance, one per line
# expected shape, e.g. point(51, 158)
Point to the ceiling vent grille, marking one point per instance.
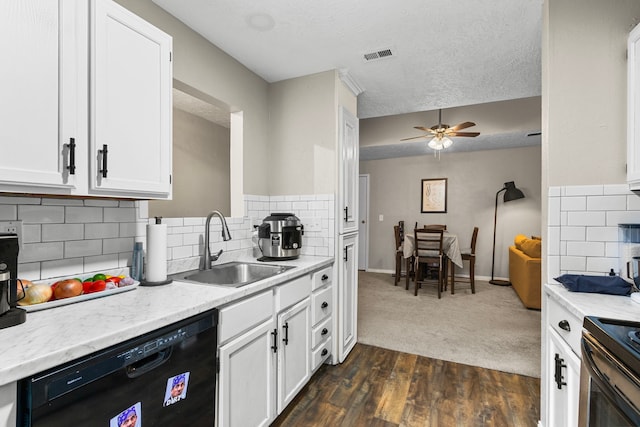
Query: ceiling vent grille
point(377, 55)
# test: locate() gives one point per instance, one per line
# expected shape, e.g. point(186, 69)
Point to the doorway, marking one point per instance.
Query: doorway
point(363, 221)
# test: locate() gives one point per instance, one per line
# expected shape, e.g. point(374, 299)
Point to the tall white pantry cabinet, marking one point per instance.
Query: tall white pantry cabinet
point(347, 224)
point(86, 100)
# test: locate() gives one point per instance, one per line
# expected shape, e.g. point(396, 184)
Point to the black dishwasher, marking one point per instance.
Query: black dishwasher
point(166, 377)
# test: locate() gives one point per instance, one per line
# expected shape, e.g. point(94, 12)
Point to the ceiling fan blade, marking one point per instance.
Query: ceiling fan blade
point(416, 137)
point(463, 134)
point(462, 126)
point(423, 128)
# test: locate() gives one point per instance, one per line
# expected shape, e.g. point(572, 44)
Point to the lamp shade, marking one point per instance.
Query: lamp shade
point(512, 193)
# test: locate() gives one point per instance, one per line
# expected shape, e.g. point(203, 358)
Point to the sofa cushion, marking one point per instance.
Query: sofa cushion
point(530, 247)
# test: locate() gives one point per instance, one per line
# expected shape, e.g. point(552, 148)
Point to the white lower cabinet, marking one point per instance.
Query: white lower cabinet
point(322, 302)
point(561, 379)
point(294, 368)
point(8, 394)
point(265, 351)
point(347, 295)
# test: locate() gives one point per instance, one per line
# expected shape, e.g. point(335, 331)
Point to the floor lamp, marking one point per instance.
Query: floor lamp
point(511, 193)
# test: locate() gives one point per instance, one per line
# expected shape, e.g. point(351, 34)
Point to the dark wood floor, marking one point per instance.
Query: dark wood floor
point(379, 387)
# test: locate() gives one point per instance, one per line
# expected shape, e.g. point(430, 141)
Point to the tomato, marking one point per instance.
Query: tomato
point(99, 276)
point(86, 286)
point(98, 285)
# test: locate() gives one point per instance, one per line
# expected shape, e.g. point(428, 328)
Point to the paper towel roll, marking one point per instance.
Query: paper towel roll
point(156, 253)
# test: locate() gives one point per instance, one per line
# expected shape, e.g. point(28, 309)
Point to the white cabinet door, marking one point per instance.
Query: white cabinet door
point(294, 351)
point(563, 382)
point(348, 170)
point(633, 109)
point(131, 80)
point(347, 295)
point(247, 386)
point(42, 82)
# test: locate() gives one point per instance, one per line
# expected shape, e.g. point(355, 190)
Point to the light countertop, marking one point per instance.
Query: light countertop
point(51, 337)
point(583, 304)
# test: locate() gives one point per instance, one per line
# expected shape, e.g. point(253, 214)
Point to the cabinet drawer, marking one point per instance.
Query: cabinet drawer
point(568, 326)
point(244, 315)
point(321, 304)
point(322, 278)
point(320, 354)
point(321, 333)
point(292, 292)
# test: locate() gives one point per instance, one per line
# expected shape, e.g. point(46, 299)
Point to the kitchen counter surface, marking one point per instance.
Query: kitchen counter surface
point(51, 337)
point(583, 304)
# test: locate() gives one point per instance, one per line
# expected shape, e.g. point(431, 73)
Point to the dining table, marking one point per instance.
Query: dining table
point(450, 247)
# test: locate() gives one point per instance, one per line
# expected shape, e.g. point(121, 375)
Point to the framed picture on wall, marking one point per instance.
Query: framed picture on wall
point(434, 195)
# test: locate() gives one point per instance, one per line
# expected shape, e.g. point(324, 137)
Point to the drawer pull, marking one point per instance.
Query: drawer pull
point(324, 304)
point(325, 331)
point(324, 277)
point(324, 352)
point(563, 324)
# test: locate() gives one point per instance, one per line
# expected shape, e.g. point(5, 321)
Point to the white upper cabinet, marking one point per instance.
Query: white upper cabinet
point(348, 169)
point(633, 109)
point(80, 76)
point(43, 92)
point(131, 83)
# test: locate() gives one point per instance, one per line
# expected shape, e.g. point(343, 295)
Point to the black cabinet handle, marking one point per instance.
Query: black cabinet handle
point(564, 324)
point(558, 374)
point(346, 254)
point(346, 214)
point(324, 352)
point(324, 304)
point(104, 153)
point(274, 347)
point(324, 277)
point(286, 333)
point(72, 156)
point(325, 331)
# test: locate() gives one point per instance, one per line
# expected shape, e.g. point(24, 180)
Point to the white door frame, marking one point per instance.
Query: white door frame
point(363, 215)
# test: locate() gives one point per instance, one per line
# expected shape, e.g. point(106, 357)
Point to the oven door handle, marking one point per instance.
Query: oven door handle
point(590, 346)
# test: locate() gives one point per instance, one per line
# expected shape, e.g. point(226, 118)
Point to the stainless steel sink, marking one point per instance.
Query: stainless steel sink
point(233, 274)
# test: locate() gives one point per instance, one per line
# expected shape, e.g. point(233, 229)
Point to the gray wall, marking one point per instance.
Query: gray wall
point(200, 169)
point(473, 180)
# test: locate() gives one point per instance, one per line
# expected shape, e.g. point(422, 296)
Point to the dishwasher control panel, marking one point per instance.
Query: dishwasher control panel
point(153, 346)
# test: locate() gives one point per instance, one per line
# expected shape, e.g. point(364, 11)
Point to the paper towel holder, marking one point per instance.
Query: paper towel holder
point(158, 220)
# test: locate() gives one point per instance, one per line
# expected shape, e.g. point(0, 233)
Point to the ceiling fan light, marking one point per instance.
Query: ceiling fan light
point(440, 143)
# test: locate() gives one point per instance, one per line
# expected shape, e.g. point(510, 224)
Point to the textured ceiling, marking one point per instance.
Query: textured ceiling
point(444, 53)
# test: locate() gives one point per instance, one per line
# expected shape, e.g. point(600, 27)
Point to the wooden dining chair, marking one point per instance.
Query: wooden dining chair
point(429, 258)
point(399, 254)
point(436, 226)
point(467, 255)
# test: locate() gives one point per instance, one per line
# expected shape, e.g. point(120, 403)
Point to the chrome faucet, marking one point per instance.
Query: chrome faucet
point(207, 258)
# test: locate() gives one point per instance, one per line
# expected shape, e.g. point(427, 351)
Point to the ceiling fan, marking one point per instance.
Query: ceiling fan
point(441, 133)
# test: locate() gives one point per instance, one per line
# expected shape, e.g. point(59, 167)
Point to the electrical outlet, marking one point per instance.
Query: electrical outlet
point(12, 227)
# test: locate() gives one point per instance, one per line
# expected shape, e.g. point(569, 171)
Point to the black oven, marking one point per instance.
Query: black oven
point(610, 373)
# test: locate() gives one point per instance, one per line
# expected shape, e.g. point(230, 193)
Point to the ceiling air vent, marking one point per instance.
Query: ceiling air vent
point(378, 54)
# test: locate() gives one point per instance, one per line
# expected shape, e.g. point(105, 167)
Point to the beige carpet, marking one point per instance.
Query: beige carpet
point(490, 328)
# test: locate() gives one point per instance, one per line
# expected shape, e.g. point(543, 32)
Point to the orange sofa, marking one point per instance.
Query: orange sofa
point(525, 269)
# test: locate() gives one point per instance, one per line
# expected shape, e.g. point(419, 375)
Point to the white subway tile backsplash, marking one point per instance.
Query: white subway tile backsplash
point(113, 246)
point(586, 218)
point(63, 202)
point(593, 249)
point(584, 190)
point(120, 215)
point(31, 233)
point(587, 239)
point(61, 268)
point(578, 203)
point(41, 252)
point(62, 232)
point(573, 233)
point(83, 214)
point(101, 230)
point(8, 212)
point(606, 203)
point(41, 214)
point(102, 262)
point(129, 229)
point(80, 248)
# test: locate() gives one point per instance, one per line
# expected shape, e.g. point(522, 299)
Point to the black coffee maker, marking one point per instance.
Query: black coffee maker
point(10, 314)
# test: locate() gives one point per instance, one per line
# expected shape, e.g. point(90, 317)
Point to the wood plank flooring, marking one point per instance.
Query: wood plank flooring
point(385, 388)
